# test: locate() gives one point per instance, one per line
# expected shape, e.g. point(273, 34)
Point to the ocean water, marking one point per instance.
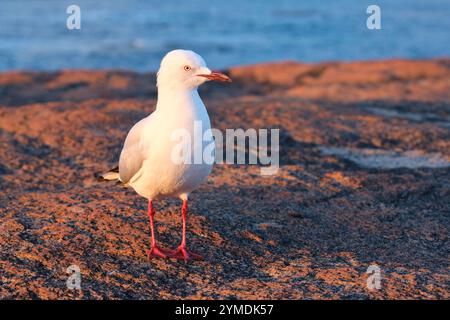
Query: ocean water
point(135, 34)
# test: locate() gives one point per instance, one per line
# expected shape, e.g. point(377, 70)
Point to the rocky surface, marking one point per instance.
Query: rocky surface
point(364, 180)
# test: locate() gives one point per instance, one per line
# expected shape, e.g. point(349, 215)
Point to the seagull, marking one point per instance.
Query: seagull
point(146, 161)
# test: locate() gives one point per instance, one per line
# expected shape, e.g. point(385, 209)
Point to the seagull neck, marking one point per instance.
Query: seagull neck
point(172, 98)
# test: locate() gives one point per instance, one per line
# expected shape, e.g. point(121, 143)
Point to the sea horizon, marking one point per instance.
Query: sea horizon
point(134, 35)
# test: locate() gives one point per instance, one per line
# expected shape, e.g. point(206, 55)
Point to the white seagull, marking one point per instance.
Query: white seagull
point(146, 162)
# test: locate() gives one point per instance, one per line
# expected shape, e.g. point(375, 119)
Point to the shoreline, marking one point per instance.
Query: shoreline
point(236, 66)
point(397, 79)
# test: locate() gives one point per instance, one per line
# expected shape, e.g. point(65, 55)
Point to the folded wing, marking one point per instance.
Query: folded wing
point(131, 157)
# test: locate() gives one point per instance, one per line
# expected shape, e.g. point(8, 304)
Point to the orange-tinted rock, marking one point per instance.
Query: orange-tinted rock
point(337, 205)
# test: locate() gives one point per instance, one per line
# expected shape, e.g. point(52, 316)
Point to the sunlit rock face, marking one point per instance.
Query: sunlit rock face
point(363, 179)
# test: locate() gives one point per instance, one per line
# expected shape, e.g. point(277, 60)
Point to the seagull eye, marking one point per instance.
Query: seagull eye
point(187, 68)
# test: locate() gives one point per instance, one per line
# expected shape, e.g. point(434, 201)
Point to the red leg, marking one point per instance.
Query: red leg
point(182, 252)
point(155, 251)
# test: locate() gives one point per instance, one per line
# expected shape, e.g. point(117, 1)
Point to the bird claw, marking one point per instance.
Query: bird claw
point(156, 252)
point(183, 253)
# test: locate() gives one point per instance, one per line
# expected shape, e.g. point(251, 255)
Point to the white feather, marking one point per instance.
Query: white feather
point(146, 159)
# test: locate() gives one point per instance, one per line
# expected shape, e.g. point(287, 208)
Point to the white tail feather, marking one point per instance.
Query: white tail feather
point(110, 176)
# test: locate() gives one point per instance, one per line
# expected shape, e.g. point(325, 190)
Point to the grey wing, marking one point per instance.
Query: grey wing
point(131, 157)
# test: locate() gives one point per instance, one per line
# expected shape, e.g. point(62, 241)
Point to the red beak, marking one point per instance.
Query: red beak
point(216, 76)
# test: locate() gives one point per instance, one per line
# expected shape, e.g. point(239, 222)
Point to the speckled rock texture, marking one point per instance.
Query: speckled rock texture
point(364, 180)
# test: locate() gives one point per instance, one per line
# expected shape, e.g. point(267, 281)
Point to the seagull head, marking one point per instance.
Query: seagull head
point(185, 69)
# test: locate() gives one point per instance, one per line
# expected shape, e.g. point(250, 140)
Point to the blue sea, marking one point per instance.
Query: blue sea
point(135, 34)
